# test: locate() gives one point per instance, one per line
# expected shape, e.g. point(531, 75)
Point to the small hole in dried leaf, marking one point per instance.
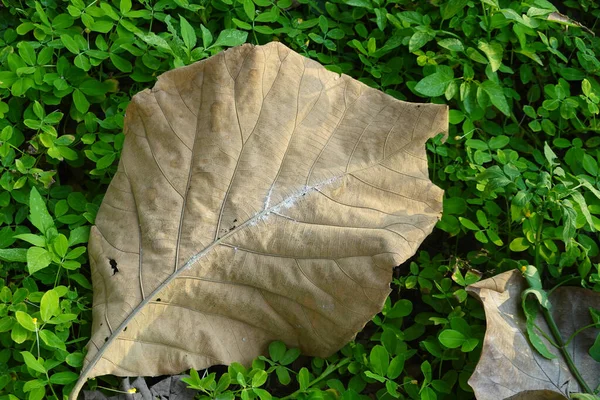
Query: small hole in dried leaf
point(125, 329)
point(113, 265)
point(158, 299)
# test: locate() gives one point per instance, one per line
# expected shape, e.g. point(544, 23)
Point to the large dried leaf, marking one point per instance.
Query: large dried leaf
point(509, 367)
point(258, 197)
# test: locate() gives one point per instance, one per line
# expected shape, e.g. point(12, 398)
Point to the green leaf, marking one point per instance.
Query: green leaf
point(427, 371)
point(230, 38)
point(451, 338)
point(207, 36)
point(121, 63)
point(303, 379)
point(32, 362)
point(396, 367)
point(496, 96)
point(81, 103)
point(125, 6)
point(262, 394)
point(26, 321)
point(283, 375)
point(467, 223)
point(435, 84)
point(550, 155)
point(530, 310)
point(27, 53)
point(519, 244)
point(594, 351)
point(452, 7)
point(60, 245)
point(79, 235)
point(37, 259)
point(259, 378)
point(38, 213)
point(276, 350)
point(70, 43)
point(401, 308)
point(498, 142)
point(49, 306)
point(63, 378)
point(51, 340)
point(187, 33)
point(493, 52)
point(290, 356)
point(418, 40)
point(35, 240)
point(13, 255)
point(590, 164)
point(379, 360)
point(451, 44)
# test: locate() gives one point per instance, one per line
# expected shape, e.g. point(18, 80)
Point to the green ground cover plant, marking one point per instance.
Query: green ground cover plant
point(520, 168)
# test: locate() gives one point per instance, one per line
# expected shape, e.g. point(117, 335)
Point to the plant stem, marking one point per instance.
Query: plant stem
point(578, 331)
point(328, 371)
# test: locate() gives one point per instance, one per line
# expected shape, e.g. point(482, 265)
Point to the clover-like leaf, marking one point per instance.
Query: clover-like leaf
point(510, 368)
point(259, 197)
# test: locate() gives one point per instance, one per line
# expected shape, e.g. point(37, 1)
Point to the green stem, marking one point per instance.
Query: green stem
point(328, 371)
point(578, 331)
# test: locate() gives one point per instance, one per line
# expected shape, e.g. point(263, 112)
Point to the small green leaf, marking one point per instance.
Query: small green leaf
point(230, 38)
point(259, 378)
point(32, 362)
point(451, 338)
point(37, 259)
point(38, 213)
point(81, 103)
point(379, 359)
point(51, 340)
point(283, 375)
point(60, 245)
point(26, 321)
point(401, 308)
point(396, 367)
point(49, 306)
point(290, 356)
point(519, 244)
point(451, 44)
point(276, 350)
point(121, 63)
point(303, 379)
point(496, 94)
point(70, 43)
point(493, 52)
point(595, 349)
point(467, 223)
point(187, 33)
point(63, 378)
point(435, 84)
point(13, 255)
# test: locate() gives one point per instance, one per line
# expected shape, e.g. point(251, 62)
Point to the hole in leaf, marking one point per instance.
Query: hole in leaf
point(113, 265)
point(158, 299)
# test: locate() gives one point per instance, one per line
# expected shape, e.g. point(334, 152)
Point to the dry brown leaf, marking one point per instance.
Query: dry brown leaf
point(258, 197)
point(509, 368)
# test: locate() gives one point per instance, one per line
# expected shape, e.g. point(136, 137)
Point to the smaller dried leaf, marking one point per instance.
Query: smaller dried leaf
point(510, 368)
